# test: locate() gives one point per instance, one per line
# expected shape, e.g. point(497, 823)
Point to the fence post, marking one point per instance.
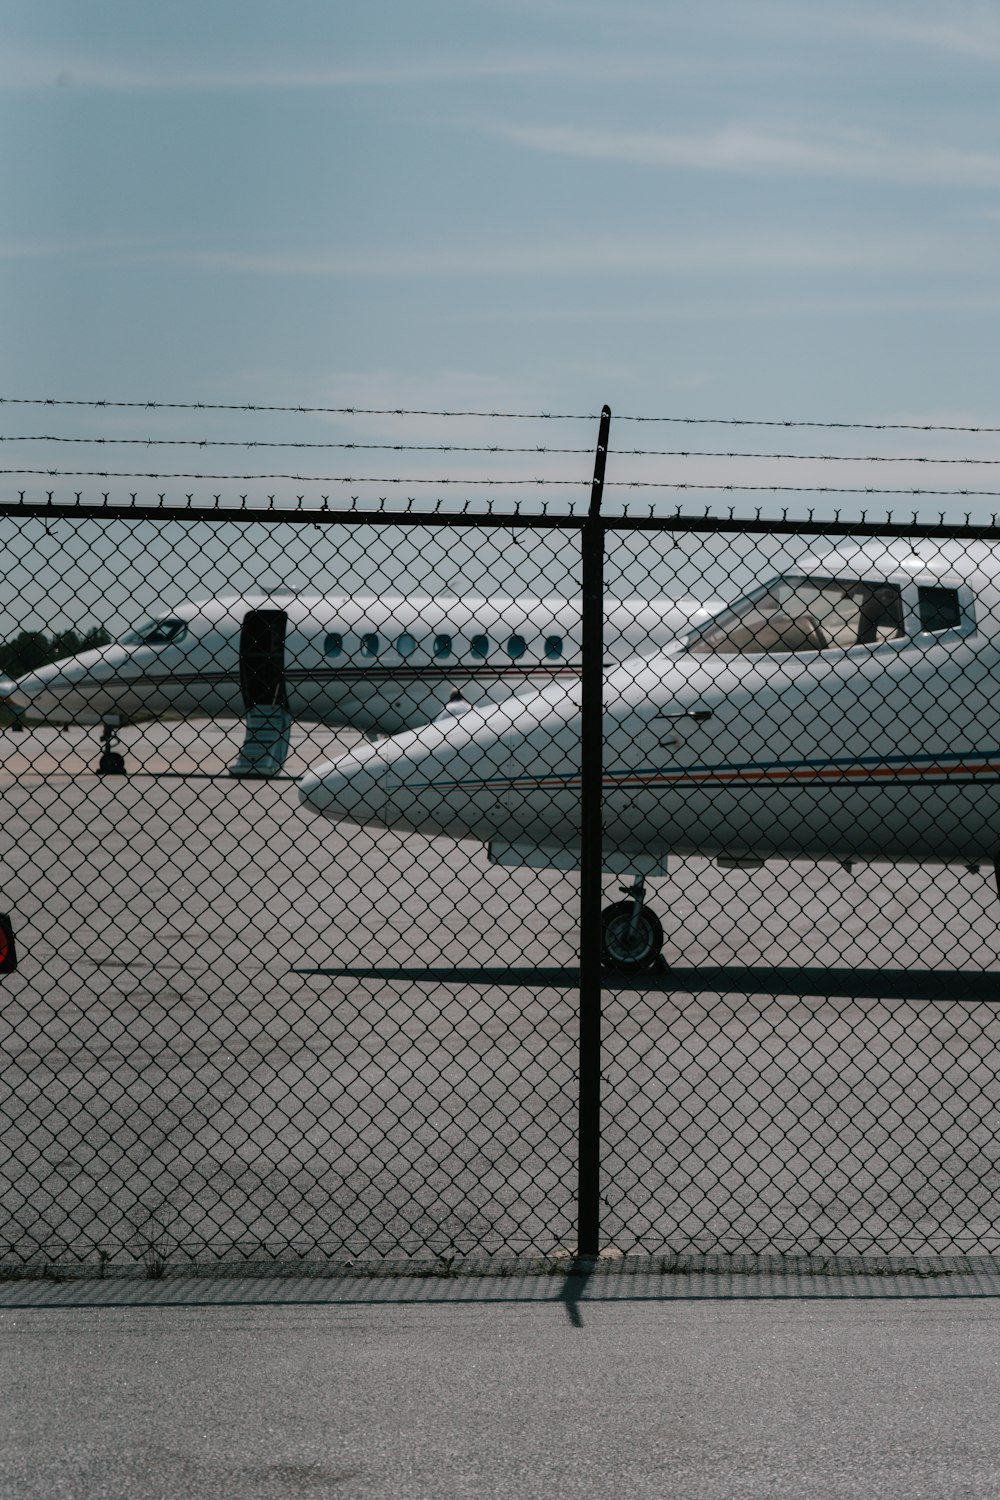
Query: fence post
point(591, 857)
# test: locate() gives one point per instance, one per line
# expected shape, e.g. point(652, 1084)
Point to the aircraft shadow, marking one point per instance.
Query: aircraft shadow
point(856, 984)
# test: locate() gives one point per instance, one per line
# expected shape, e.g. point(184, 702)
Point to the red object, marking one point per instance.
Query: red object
point(8, 953)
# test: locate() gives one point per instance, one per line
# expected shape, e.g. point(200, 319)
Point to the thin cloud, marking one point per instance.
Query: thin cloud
point(967, 32)
point(91, 73)
point(742, 150)
point(101, 74)
point(51, 249)
point(752, 310)
point(732, 252)
point(747, 251)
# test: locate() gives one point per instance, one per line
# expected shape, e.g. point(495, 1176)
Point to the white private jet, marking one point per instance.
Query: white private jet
point(848, 709)
point(376, 663)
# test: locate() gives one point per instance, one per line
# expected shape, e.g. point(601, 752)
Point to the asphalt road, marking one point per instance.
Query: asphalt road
point(171, 1088)
point(849, 1400)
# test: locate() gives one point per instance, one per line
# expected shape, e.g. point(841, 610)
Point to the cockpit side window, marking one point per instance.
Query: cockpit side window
point(804, 614)
point(156, 633)
point(939, 609)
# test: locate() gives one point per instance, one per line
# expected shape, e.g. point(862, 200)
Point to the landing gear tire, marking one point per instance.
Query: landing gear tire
point(112, 762)
point(630, 940)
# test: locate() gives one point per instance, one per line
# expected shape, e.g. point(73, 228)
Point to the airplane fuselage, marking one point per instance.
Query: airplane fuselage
point(376, 663)
point(882, 743)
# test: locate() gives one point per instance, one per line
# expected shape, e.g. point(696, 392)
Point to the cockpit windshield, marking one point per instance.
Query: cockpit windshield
point(804, 614)
point(156, 633)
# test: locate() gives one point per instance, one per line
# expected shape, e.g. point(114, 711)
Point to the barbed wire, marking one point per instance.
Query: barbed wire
point(794, 489)
point(621, 484)
point(831, 426)
point(836, 458)
point(524, 416)
point(334, 411)
point(246, 443)
point(299, 478)
point(148, 442)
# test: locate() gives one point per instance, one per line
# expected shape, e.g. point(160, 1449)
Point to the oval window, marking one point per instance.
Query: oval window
point(405, 644)
point(442, 646)
point(480, 645)
point(369, 645)
point(334, 644)
point(516, 647)
point(553, 647)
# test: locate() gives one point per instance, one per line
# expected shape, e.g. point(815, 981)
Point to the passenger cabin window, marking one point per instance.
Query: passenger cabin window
point(334, 644)
point(442, 646)
point(156, 633)
point(804, 614)
point(406, 644)
point(516, 647)
point(480, 645)
point(939, 609)
point(553, 647)
point(370, 645)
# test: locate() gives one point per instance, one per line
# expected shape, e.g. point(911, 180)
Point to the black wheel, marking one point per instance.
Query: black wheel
point(629, 946)
point(111, 764)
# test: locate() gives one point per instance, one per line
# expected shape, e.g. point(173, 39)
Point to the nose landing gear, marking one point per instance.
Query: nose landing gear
point(631, 933)
point(112, 762)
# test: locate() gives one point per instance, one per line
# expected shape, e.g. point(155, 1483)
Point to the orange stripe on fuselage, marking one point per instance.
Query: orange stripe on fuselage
point(752, 774)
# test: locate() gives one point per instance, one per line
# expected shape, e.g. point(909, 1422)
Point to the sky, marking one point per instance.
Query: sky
point(783, 211)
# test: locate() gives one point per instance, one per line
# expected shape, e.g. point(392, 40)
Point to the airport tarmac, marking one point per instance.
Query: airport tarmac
point(504, 1395)
point(173, 1089)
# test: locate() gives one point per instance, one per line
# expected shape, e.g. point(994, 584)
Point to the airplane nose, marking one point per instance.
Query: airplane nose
point(12, 697)
point(32, 695)
point(353, 788)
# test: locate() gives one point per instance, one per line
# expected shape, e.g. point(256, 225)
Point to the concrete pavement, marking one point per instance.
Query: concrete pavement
point(543, 1387)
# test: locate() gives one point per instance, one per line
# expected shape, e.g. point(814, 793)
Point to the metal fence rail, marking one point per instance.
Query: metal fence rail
point(323, 951)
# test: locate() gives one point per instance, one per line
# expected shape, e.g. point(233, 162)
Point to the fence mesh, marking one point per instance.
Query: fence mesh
point(291, 847)
point(820, 764)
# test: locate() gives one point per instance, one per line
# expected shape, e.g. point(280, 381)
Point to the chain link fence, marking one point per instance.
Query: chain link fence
point(295, 808)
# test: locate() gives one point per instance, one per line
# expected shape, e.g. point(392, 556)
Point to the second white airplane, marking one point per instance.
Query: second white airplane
point(376, 663)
